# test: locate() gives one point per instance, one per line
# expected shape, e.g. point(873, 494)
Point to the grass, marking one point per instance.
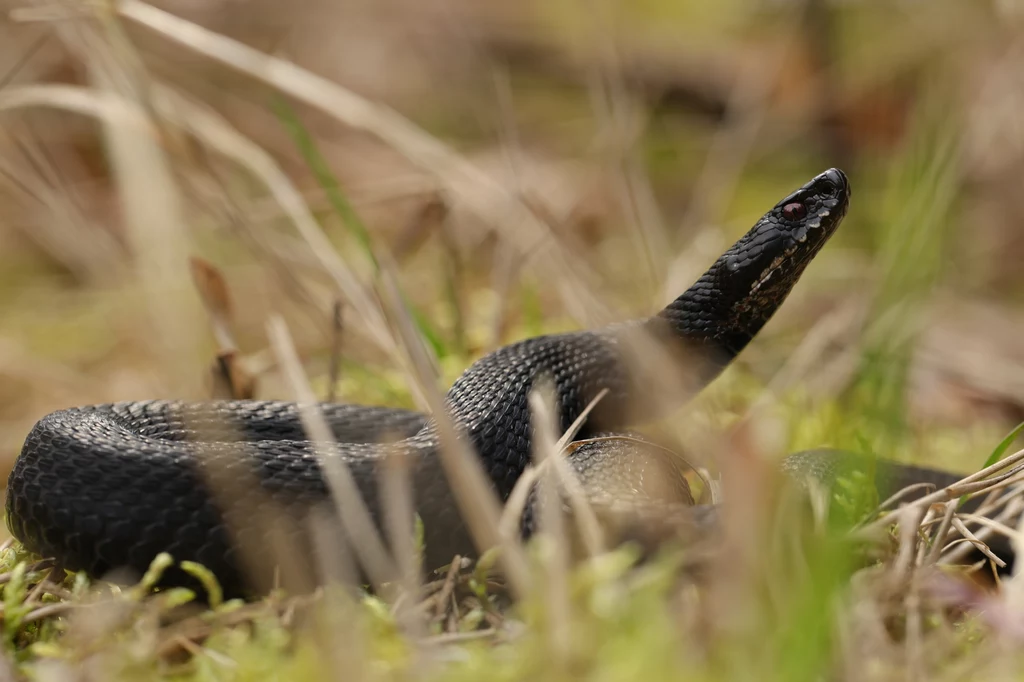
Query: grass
point(787, 600)
point(787, 595)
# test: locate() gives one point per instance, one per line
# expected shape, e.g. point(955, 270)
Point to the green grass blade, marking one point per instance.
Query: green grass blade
point(324, 176)
point(432, 336)
point(340, 204)
point(912, 223)
point(1004, 445)
point(999, 451)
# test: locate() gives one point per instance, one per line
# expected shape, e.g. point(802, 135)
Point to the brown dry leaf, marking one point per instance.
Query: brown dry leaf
point(230, 378)
point(425, 221)
point(212, 287)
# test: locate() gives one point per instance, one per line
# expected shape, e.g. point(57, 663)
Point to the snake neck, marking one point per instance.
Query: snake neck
point(709, 322)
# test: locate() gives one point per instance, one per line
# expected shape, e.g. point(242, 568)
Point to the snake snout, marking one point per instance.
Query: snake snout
point(837, 179)
point(831, 188)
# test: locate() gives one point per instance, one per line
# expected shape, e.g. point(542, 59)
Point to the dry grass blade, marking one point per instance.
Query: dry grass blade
point(978, 544)
point(49, 580)
point(577, 424)
point(925, 529)
point(473, 188)
point(157, 240)
point(22, 60)
point(213, 290)
point(447, 587)
point(901, 494)
point(620, 115)
point(910, 526)
point(1000, 528)
point(915, 629)
point(231, 378)
point(213, 130)
point(425, 221)
point(37, 566)
point(150, 201)
point(457, 637)
point(1000, 496)
point(590, 527)
point(939, 539)
point(512, 512)
point(970, 490)
point(970, 484)
point(208, 127)
point(355, 517)
point(48, 611)
point(52, 215)
point(399, 517)
point(552, 526)
point(473, 491)
point(809, 354)
point(7, 671)
point(1012, 505)
point(334, 368)
point(583, 513)
point(218, 134)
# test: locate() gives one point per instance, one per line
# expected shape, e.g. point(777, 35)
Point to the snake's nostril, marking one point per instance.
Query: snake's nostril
point(837, 178)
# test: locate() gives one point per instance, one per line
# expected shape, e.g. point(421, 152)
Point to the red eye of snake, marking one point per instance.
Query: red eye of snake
point(794, 211)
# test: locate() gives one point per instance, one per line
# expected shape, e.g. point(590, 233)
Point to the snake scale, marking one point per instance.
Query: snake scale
point(110, 486)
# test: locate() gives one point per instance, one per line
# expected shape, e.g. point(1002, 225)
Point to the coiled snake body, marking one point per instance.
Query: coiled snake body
point(110, 486)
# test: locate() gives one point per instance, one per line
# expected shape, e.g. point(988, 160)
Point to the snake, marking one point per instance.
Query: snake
point(107, 488)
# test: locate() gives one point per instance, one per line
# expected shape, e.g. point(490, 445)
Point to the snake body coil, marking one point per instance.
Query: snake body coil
point(110, 486)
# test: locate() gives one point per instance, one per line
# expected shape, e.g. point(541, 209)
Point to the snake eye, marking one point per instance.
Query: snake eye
point(794, 211)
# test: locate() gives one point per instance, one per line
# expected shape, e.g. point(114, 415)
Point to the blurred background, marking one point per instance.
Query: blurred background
point(643, 137)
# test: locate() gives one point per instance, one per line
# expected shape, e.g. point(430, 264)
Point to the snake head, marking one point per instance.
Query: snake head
point(760, 269)
point(773, 254)
point(730, 303)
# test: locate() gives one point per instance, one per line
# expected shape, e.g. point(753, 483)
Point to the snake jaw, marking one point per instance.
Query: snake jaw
point(801, 234)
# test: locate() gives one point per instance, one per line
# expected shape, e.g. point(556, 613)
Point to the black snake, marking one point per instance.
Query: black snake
point(110, 486)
